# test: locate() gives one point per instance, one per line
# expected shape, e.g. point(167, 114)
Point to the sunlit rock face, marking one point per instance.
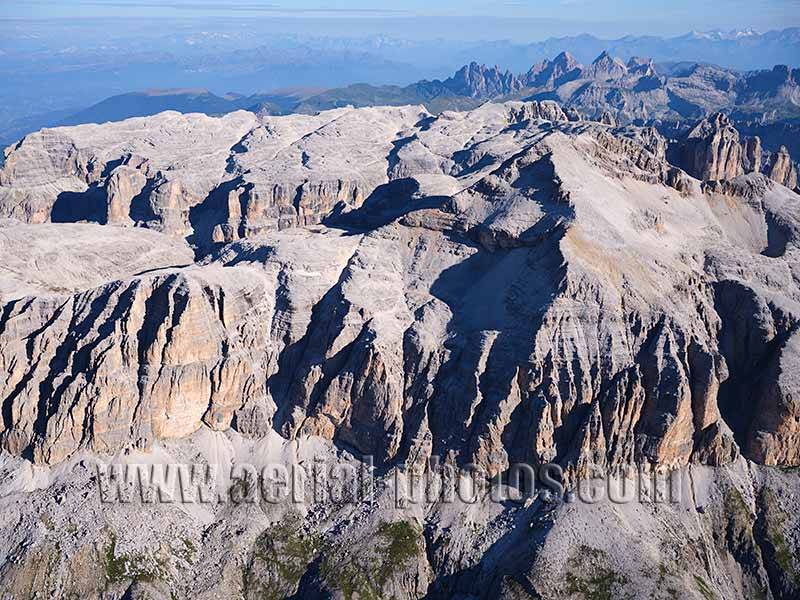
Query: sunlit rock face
point(506, 287)
point(488, 287)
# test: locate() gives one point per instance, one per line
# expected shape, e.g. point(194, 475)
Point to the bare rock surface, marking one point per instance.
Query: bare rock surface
point(61, 174)
point(727, 532)
point(782, 169)
point(712, 149)
point(50, 259)
point(487, 288)
point(484, 279)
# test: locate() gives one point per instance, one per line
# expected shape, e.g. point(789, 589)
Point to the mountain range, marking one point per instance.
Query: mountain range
point(669, 96)
point(637, 91)
point(389, 290)
point(391, 321)
point(52, 70)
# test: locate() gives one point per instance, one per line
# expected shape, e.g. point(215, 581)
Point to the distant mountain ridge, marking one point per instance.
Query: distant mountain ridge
point(743, 50)
point(677, 75)
point(636, 91)
point(639, 91)
point(150, 102)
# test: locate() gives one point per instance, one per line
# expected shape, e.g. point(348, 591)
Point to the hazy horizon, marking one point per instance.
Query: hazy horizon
point(517, 21)
point(60, 57)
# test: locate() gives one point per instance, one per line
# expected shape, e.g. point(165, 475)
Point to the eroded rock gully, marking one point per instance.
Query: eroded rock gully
point(495, 286)
point(500, 286)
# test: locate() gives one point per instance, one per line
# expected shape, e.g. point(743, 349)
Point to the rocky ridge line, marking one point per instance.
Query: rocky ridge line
point(498, 286)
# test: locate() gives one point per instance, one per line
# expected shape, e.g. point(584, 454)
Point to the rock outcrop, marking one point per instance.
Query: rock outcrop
point(782, 169)
point(478, 81)
point(711, 150)
point(670, 97)
point(752, 155)
point(500, 288)
point(489, 287)
point(550, 74)
point(605, 68)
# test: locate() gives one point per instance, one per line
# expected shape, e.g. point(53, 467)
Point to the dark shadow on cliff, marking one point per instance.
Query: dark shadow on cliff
point(505, 562)
point(683, 107)
point(285, 385)
point(387, 202)
point(778, 236)
point(73, 357)
point(141, 210)
point(750, 348)
point(212, 211)
point(498, 298)
point(73, 207)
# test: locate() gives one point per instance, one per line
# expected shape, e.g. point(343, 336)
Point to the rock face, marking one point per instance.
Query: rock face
point(782, 169)
point(488, 287)
point(123, 185)
point(712, 151)
point(608, 119)
point(479, 81)
point(605, 68)
point(551, 74)
point(501, 286)
point(752, 155)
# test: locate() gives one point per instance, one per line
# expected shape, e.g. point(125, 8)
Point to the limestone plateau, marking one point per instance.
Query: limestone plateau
point(507, 285)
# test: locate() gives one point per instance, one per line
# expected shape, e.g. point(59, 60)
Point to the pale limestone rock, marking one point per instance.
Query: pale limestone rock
point(183, 157)
point(711, 149)
point(605, 68)
point(507, 285)
point(752, 155)
point(122, 186)
point(65, 258)
point(782, 169)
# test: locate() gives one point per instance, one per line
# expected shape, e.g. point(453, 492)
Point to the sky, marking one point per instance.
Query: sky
point(538, 18)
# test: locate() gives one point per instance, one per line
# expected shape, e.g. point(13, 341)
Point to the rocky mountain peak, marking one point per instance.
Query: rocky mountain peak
point(642, 67)
point(712, 151)
point(561, 69)
point(480, 81)
point(606, 68)
point(494, 288)
point(781, 168)
point(716, 122)
point(566, 61)
point(604, 56)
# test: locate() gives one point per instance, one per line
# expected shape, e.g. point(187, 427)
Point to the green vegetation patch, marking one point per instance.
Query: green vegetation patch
point(739, 537)
point(124, 567)
point(364, 569)
point(185, 550)
point(775, 520)
point(360, 568)
point(703, 588)
point(281, 555)
point(400, 545)
point(47, 522)
point(589, 575)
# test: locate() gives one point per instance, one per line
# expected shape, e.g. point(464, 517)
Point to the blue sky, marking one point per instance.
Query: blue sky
point(602, 18)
